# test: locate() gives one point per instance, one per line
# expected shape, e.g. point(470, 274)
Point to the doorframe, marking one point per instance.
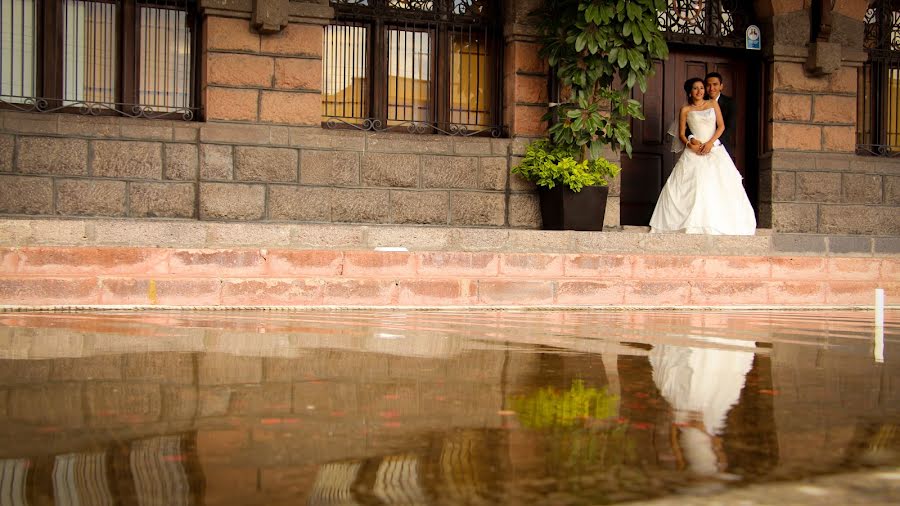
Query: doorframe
point(756, 106)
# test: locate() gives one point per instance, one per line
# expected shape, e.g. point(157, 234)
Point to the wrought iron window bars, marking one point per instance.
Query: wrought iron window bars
point(420, 66)
point(95, 57)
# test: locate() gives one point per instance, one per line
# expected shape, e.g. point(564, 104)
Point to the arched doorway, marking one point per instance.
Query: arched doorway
point(700, 41)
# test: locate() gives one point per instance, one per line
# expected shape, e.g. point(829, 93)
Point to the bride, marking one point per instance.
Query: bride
point(704, 194)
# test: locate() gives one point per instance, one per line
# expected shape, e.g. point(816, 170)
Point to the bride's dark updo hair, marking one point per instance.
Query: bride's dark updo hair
point(689, 85)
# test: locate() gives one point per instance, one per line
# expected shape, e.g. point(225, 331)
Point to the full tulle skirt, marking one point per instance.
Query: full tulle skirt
point(704, 195)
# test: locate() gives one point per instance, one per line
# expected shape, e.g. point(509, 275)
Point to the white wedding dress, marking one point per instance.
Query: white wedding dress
point(704, 194)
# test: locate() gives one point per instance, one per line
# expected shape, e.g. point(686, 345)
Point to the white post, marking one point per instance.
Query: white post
point(879, 325)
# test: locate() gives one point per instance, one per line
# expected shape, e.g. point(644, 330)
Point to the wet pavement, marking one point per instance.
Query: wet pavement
point(328, 408)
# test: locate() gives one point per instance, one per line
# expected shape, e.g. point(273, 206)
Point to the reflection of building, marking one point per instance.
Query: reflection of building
point(236, 419)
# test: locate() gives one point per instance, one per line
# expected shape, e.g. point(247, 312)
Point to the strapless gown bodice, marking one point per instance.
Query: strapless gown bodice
point(702, 124)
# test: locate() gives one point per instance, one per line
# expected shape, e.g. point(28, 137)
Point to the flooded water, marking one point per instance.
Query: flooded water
point(436, 407)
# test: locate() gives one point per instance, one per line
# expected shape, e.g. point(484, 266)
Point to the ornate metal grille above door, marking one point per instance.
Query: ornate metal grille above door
point(720, 23)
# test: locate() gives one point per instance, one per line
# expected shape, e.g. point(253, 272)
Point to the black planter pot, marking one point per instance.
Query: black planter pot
point(563, 209)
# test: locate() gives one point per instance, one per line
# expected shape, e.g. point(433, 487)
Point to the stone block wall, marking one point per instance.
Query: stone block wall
point(261, 154)
point(830, 193)
point(65, 165)
point(811, 179)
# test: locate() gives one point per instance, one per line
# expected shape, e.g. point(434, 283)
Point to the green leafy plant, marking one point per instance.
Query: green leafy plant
point(600, 50)
point(549, 165)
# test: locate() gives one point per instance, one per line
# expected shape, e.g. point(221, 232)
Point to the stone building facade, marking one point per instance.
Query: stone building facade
point(258, 151)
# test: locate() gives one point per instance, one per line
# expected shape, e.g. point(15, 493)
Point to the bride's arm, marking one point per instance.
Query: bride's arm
point(682, 129)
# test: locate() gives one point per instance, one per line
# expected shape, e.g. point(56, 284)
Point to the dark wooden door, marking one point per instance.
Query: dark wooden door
point(645, 173)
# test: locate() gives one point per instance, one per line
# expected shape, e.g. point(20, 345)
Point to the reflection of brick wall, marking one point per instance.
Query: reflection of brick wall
point(820, 397)
point(263, 424)
point(138, 393)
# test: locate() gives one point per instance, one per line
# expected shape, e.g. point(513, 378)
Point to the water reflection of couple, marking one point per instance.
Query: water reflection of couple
point(704, 193)
point(701, 384)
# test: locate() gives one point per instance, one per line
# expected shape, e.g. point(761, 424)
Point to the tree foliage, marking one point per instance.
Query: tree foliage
point(601, 49)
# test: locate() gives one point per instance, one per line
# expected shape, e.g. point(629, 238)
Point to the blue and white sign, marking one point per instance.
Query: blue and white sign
point(753, 37)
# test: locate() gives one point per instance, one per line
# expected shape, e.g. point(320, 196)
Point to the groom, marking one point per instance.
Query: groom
point(714, 85)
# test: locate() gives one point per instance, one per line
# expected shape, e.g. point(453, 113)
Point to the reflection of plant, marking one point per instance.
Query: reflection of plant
point(548, 408)
point(580, 428)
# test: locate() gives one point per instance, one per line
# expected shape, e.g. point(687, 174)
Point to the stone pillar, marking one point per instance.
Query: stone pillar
point(524, 72)
point(262, 60)
point(525, 102)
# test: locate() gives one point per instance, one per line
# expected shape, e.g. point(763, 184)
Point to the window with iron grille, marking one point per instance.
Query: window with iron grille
point(422, 66)
point(878, 114)
point(129, 57)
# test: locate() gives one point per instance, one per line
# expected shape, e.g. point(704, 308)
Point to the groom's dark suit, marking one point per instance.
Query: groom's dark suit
point(726, 105)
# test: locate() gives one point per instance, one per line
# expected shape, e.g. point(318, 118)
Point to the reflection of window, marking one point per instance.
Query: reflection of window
point(14, 480)
point(82, 478)
point(131, 56)
point(878, 115)
point(421, 64)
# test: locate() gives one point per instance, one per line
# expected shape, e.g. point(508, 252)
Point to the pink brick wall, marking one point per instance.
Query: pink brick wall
point(34, 276)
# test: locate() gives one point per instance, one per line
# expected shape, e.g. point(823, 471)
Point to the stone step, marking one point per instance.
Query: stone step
point(109, 276)
point(215, 235)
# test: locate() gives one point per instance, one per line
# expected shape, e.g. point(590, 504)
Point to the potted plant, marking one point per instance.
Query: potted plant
point(599, 50)
point(573, 190)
